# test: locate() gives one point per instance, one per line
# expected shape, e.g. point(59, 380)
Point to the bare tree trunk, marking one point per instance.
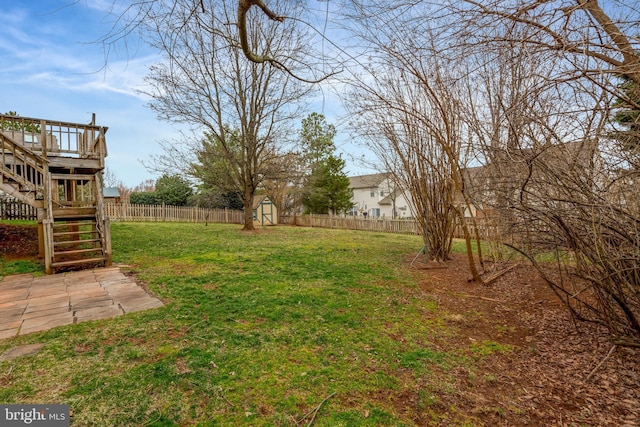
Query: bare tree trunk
point(248, 209)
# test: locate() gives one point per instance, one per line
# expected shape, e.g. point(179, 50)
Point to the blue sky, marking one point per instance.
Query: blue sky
point(52, 68)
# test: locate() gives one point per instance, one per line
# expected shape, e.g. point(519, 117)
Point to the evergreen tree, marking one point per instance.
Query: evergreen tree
point(143, 198)
point(316, 138)
point(214, 167)
point(327, 189)
point(17, 125)
point(173, 190)
point(214, 198)
point(627, 116)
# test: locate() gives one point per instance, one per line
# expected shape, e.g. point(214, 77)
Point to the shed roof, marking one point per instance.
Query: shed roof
point(110, 192)
point(258, 200)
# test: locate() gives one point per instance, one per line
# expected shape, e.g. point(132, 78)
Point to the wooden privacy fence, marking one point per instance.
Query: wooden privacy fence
point(16, 209)
point(384, 225)
point(400, 226)
point(165, 213)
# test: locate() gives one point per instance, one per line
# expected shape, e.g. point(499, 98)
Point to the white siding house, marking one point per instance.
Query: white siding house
point(376, 196)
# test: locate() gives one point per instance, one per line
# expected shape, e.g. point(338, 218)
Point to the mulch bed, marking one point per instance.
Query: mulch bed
point(560, 373)
point(18, 241)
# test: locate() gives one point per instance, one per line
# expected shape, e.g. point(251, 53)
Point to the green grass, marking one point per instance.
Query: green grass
point(258, 329)
point(22, 222)
point(19, 266)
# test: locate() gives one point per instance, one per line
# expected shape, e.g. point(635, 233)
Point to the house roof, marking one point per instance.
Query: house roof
point(367, 181)
point(388, 200)
point(110, 192)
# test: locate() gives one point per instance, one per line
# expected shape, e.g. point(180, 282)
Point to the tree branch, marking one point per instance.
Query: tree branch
point(243, 9)
point(631, 63)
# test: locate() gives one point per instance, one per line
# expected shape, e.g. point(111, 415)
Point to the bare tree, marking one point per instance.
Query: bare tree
point(410, 116)
point(541, 80)
point(283, 183)
point(244, 107)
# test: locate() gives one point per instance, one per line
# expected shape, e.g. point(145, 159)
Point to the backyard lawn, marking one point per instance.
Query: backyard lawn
point(289, 326)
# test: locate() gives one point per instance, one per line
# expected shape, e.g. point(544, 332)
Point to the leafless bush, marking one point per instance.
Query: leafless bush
point(572, 209)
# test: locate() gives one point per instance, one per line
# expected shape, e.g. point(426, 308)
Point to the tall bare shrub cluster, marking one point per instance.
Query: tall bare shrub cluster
point(410, 116)
point(529, 88)
point(562, 187)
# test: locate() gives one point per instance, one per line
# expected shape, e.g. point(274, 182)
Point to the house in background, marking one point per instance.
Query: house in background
point(264, 211)
point(477, 188)
point(376, 196)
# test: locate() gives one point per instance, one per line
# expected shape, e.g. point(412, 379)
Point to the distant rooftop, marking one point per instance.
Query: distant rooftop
point(110, 192)
point(367, 181)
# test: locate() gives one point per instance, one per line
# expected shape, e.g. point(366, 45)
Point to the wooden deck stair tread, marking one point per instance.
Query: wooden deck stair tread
point(74, 242)
point(78, 251)
point(76, 262)
point(71, 215)
point(73, 224)
point(74, 233)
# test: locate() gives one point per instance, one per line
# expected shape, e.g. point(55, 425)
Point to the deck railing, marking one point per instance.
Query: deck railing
point(11, 208)
point(55, 138)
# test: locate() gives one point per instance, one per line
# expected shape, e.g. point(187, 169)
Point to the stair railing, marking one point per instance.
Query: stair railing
point(47, 223)
point(102, 220)
point(22, 165)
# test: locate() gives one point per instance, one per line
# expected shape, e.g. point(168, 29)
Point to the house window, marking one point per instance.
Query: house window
point(373, 193)
point(381, 193)
point(375, 212)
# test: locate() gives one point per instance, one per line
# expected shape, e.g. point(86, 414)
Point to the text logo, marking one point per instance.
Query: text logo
point(34, 415)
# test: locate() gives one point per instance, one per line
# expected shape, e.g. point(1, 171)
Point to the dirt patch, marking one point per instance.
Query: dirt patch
point(18, 241)
point(536, 364)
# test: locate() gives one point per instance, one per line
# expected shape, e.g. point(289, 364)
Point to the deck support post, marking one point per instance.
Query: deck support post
point(41, 216)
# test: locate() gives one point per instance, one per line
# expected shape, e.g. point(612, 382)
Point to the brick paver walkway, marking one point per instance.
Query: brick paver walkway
point(31, 304)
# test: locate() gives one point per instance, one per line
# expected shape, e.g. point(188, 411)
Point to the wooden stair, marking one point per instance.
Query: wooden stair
point(57, 168)
point(76, 238)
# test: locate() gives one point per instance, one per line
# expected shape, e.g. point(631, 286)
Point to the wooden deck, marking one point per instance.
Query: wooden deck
point(57, 167)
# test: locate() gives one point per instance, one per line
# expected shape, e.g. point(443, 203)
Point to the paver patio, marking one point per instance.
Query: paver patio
point(31, 304)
